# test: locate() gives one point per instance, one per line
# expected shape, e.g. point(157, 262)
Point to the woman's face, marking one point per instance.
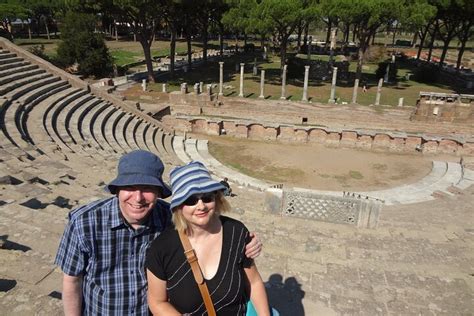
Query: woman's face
point(199, 209)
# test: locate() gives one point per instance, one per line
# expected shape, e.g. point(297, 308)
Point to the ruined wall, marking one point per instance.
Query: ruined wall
point(444, 107)
point(384, 141)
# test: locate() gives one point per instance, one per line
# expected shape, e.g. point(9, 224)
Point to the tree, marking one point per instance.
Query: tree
point(143, 16)
point(465, 29)
point(283, 16)
point(80, 44)
point(8, 13)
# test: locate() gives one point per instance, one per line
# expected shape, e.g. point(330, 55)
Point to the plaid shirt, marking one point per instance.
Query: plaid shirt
point(110, 255)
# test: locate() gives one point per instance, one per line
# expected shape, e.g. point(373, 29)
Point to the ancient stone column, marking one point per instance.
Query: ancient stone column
point(196, 88)
point(164, 88)
point(305, 84)
point(201, 86)
point(400, 102)
point(221, 77)
point(262, 83)
point(332, 98)
point(283, 83)
point(144, 84)
point(241, 93)
point(255, 69)
point(354, 92)
point(379, 91)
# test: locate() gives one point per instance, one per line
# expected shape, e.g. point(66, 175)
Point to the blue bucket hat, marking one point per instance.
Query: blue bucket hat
point(190, 179)
point(139, 167)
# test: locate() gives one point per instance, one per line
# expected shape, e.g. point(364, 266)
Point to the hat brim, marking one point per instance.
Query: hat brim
point(208, 186)
point(138, 179)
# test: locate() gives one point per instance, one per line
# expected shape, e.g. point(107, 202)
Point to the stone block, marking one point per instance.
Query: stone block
point(301, 136)
point(412, 143)
point(397, 144)
point(364, 141)
point(287, 133)
point(241, 131)
point(229, 127)
point(348, 139)
point(430, 147)
point(447, 146)
point(214, 128)
point(273, 200)
point(333, 138)
point(256, 131)
point(381, 141)
point(317, 136)
point(468, 149)
point(199, 126)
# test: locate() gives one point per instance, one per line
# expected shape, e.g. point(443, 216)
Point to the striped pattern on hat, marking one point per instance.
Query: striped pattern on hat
point(190, 179)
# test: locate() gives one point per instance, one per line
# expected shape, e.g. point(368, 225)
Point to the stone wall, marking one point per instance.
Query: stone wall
point(444, 107)
point(363, 139)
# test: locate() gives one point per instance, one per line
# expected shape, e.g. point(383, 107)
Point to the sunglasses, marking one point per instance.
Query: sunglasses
point(205, 198)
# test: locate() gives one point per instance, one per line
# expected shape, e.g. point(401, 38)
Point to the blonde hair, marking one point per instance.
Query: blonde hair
point(181, 224)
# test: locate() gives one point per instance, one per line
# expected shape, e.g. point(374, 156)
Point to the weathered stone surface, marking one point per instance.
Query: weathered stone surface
point(214, 128)
point(364, 141)
point(301, 135)
point(430, 147)
point(348, 139)
point(241, 131)
point(412, 143)
point(333, 138)
point(397, 144)
point(447, 146)
point(317, 136)
point(381, 141)
point(287, 133)
point(199, 126)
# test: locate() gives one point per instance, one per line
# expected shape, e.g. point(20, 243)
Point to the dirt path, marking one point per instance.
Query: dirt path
point(319, 167)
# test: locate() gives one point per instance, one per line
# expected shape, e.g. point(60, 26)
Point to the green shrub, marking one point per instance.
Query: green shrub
point(382, 70)
point(426, 74)
point(80, 44)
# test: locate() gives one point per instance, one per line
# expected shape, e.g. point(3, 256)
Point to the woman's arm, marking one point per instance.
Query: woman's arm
point(157, 297)
point(258, 295)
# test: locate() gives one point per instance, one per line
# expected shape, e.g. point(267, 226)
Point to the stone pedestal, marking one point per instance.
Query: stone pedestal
point(184, 88)
point(283, 83)
point(400, 102)
point(144, 85)
point(305, 85)
point(164, 88)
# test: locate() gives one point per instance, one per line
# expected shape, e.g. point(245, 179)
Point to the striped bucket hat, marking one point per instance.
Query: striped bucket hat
point(190, 179)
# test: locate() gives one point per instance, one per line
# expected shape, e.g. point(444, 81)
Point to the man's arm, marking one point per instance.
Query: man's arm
point(72, 295)
point(254, 247)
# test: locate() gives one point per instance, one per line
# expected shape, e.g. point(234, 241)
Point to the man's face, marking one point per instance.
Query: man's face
point(136, 202)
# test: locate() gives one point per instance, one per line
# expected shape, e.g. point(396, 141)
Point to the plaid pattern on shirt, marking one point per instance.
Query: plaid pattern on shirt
point(110, 255)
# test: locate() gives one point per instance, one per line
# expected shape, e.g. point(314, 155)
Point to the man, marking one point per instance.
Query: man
point(102, 251)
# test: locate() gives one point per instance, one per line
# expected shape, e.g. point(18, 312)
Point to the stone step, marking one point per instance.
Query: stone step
point(139, 134)
point(99, 129)
point(118, 131)
point(124, 132)
point(7, 55)
point(16, 89)
point(130, 134)
point(178, 146)
point(37, 132)
point(13, 66)
point(10, 60)
point(8, 72)
point(17, 75)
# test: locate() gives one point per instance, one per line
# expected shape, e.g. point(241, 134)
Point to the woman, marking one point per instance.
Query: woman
point(219, 242)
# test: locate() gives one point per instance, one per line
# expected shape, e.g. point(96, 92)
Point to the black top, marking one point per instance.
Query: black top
point(166, 260)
